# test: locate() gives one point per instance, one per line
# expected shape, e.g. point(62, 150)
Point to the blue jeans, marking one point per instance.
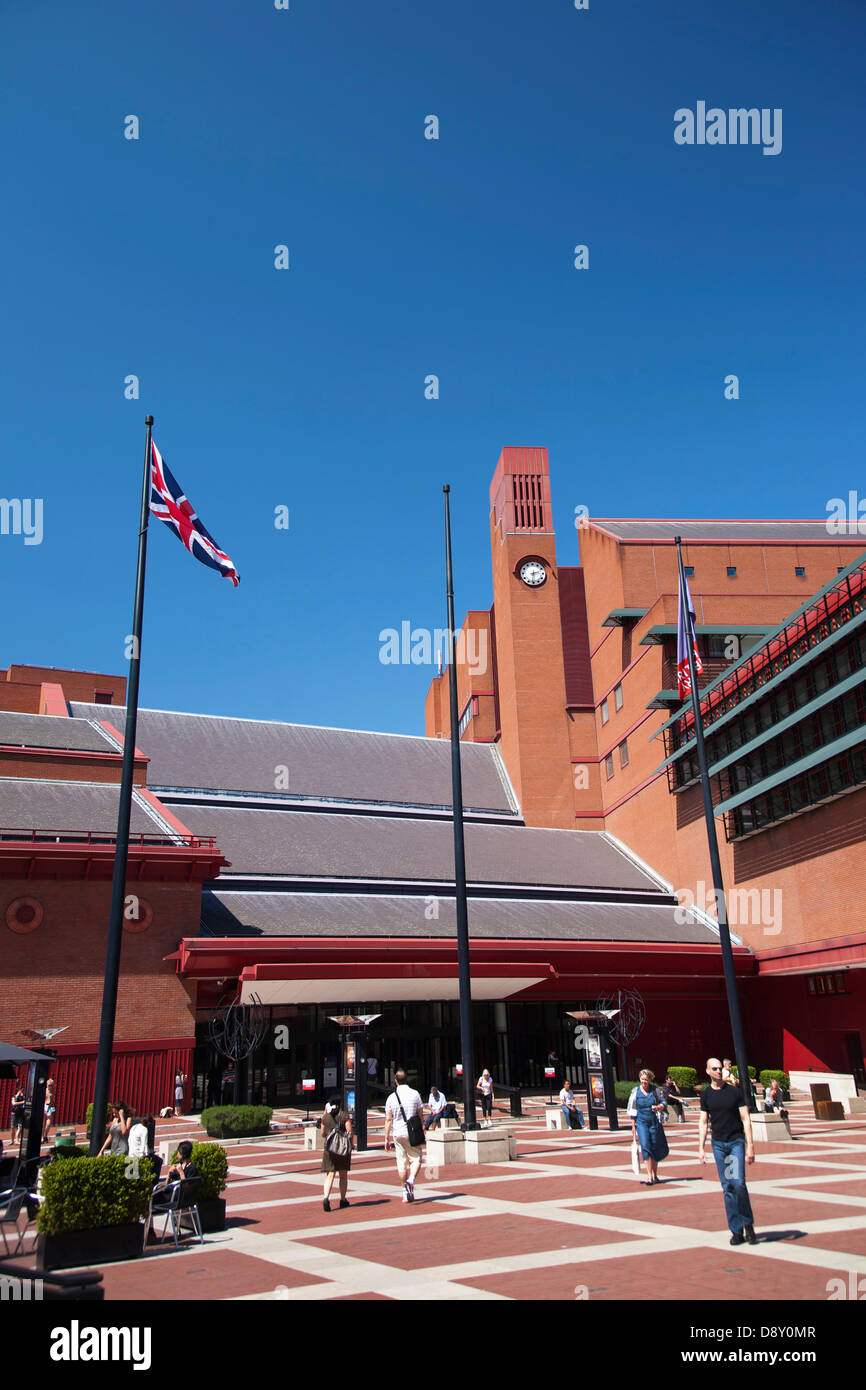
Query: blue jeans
point(730, 1156)
point(575, 1114)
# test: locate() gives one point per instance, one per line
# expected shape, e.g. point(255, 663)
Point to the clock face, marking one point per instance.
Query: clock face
point(533, 573)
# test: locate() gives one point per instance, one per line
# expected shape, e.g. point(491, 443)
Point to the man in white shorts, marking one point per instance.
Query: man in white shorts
point(396, 1131)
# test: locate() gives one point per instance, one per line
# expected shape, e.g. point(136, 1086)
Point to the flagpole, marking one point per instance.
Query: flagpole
point(715, 861)
point(121, 849)
point(463, 971)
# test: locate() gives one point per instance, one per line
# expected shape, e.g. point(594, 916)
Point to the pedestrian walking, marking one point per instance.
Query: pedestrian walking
point(403, 1111)
point(142, 1137)
point(670, 1090)
point(336, 1128)
point(645, 1107)
point(724, 1110)
point(49, 1109)
point(484, 1084)
point(19, 1099)
point(179, 1082)
point(570, 1108)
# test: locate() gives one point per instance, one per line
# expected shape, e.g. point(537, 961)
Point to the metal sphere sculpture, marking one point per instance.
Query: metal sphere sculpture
point(628, 1023)
point(237, 1029)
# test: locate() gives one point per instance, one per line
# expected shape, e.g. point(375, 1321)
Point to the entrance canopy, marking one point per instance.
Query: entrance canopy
point(418, 980)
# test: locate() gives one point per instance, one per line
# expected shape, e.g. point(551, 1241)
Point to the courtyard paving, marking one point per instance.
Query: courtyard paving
point(567, 1220)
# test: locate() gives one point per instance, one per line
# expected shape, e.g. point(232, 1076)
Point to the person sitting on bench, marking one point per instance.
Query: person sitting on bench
point(570, 1108)
point(438, 1107)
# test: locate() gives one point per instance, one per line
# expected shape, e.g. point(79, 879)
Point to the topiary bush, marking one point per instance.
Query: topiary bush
point(108, 1110)
point(67, 1151)
point(212, 1163)
point(782, 1077)
point(622, 1091)
point(236, 1121)
point(685, 1077)
point(94, 1192)
point(735, 1071)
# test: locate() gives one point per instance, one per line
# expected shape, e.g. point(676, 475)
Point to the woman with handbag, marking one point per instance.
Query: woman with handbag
point(645, 1108)
point(337, 1154)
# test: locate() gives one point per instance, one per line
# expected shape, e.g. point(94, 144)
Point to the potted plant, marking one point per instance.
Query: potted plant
point(91, 1210)
point(212, 1164)
point(236, 1121)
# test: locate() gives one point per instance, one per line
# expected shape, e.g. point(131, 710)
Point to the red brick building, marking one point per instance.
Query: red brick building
point(581, 678)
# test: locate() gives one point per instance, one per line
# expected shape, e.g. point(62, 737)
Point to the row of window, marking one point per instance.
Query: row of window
point(799, 571)
point(752, 679)
point(838, 775)
point(622, 749)
point(617, 704)
point(828, 984)
point(836, 666)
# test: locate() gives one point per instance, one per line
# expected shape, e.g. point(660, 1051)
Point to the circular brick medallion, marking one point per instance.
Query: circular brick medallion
point(24, 915)
point(137, 913)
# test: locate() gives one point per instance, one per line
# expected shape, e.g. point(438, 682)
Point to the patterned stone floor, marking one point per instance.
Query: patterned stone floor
point(568, 1220)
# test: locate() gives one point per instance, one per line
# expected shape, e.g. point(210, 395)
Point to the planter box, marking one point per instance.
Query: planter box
point(237, 1134)
point(212, 1214)
point(96, 1247)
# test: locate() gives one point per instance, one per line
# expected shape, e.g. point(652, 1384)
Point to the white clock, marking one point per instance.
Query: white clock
point(533, 573)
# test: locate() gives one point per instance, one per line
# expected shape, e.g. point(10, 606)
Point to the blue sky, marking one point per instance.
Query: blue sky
point(305, 388)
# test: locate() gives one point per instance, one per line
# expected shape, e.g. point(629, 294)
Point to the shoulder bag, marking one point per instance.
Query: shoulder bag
point(415, 1128)
point(338, 1143)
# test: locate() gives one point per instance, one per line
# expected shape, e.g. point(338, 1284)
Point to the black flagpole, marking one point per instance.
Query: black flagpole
point(715, 862)
point(469, 1119)
point(121, 850)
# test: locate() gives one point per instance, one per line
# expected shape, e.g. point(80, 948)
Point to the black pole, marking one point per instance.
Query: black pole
point(469, 1120)
point(715, 862)
point(121, 849)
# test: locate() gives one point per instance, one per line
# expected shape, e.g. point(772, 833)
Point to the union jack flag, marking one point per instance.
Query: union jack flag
point(172, 506)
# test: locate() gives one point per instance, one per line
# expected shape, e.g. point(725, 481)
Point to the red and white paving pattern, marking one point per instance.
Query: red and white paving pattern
point(567, 1220)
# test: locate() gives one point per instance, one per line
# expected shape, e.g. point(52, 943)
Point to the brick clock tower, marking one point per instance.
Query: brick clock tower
point(534, 737)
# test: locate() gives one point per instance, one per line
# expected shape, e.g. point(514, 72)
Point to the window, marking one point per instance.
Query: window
point(608, 766)
point(102, 697)
point(689, 571)
point(617, 696)
point(623, 753)
point(800, 571)
point(732, 571)
point(605, 715)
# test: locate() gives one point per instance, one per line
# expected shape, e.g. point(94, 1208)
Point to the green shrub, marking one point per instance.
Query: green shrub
point(212, 1163)
point(685, 1077)
point(68, 1151)
point(782, 1077)
point(735, 1071)
point(622, 1091)
point(94, 1192)
point(237, 1121)
point(108, 1110)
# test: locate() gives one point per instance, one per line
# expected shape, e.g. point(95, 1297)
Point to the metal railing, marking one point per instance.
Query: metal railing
point(105, 837)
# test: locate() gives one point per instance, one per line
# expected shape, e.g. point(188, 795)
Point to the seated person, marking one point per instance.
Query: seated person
point(570, 1108)
point(184, 1168)
point(773, 1099)
point(438, 1108)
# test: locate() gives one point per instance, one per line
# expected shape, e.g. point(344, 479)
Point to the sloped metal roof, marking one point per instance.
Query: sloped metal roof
point(374, 915)
point(313, 844)
point(52, 731)
point(741, 532)
point(212, 753)
point(34, 804)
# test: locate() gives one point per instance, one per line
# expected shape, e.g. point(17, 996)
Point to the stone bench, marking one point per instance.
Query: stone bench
point(554, 1118)
point(496, 1145)
point(771, 1129)
point(445, 1146)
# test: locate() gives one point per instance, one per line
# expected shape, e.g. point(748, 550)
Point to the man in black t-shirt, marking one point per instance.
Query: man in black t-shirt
point(723, 1107)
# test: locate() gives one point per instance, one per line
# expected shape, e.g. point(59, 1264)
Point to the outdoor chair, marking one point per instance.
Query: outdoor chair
point(175, 1202)
point(10, 1215)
